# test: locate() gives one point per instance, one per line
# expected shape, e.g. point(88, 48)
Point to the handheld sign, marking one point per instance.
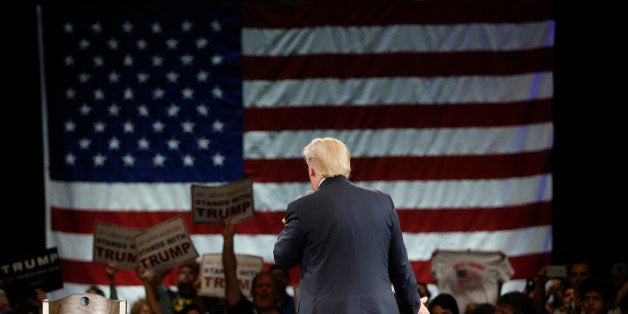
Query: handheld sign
point(212, 204)
point(39, 269)
point(165, 245)
point(213, 276)
point(115, 244)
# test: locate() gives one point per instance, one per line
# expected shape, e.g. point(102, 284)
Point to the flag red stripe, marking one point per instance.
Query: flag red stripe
point(397, 64)
point(94, 273)
point(282, 15)
point(397, 116)
point(413, 221)
point(476, 219)
point(412, 168)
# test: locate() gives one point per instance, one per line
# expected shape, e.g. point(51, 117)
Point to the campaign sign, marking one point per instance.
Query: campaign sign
point(212, 204)
point(39, 270)
point(165, 245)
point(213, 275)
point(115, 245)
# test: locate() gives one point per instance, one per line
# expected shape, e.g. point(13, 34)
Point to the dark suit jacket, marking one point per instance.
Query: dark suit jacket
point(349, 245)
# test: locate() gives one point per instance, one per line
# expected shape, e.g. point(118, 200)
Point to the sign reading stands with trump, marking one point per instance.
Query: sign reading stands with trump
point(115, 245)
point(213, 275)
point(212, 204)
point(160, 247)
point(165, 245)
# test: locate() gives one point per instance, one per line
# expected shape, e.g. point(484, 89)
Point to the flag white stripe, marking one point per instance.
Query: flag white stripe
point(406, 142)
point(413, 194)
point(517, 242)
point(420, 246)
point(276, 196)
point(407, 90)
point(397, 38)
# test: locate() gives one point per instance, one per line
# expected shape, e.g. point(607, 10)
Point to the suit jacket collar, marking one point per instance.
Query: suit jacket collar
point(332, 180)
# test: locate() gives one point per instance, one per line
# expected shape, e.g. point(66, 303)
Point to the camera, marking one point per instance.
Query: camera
point(556, 271)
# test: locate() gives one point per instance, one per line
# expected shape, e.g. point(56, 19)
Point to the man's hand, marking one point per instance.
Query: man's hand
point(111, 270)
point(423, 309)
point(228, 229)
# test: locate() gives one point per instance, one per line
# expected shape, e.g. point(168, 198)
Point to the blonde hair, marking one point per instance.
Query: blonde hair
point(328, 157)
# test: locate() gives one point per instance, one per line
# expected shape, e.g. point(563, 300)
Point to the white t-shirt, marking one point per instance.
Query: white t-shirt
point(471, 276)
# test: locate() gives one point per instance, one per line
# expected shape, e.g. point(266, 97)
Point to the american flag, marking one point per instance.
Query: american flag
point(446, 105)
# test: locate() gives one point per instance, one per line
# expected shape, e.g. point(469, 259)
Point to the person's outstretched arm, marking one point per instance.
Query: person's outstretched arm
point(229, 264)
point(539, 299)
point(111, 270)
point(156, 294)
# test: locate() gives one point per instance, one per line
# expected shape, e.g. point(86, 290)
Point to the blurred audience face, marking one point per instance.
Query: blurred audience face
point(4, 304)
point(569, 296)
point(95, 290)
point(593, 303)
point(281, 276)
point(186, 275)
point(265, 292)
point(578, 272)
point(437, 309)
point(187, 282)
point(40, 294)
point(141, 307)
point(504, 309)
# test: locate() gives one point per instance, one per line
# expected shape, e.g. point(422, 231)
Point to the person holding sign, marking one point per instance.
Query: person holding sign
point(165, 301)
point(347, 241)
point(157, 297)
point(264, 289)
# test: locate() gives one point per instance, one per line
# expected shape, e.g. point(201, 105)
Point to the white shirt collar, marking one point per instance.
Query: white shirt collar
point(319, 183)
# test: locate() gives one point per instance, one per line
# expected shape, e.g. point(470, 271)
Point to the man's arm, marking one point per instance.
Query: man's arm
point(288, 249)
point(111, 270)
point(400, 270)
point(229, 264)
point(156, 294)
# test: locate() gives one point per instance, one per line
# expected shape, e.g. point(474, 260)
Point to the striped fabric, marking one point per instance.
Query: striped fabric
point(446, 105)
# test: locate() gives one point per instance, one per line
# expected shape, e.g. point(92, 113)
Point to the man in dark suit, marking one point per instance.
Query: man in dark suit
point(347, 241)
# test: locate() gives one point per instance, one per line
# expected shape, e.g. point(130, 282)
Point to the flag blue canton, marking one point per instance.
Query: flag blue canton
point(155, 97)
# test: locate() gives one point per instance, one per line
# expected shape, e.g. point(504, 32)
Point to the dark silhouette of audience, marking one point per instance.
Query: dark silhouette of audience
point(514, 302)
point(443, 303)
